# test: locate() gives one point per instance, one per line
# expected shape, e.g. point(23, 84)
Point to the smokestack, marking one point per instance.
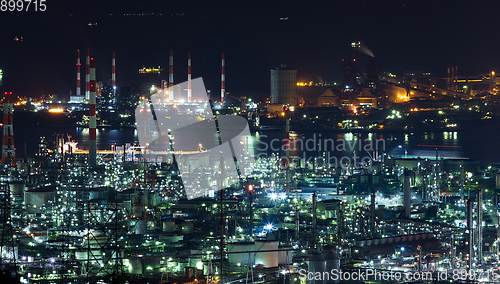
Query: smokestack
point(87, 76)
point(407, 194)
point(462, 182)
point(8, 150)
point(189, 76)
point(113, 74)
point(78, 86)
point(479, 225)
point(171, 75)
point(314, 206)
point(92, 116)
point(223, 81)
point(425, 189)
point(470, 236)
point(372, 214)
point(448, 79)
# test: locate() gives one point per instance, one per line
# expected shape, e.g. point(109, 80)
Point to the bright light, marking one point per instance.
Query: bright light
point(56, 110)
point(269, 226)
point(273, 196)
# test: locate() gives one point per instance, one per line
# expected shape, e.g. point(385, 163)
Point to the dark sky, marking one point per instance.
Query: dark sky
point(403, 35)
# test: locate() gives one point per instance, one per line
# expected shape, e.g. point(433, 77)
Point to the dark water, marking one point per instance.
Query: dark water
point(482, 145)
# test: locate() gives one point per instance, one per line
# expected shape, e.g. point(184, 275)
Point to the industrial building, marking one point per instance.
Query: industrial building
point(284, 86)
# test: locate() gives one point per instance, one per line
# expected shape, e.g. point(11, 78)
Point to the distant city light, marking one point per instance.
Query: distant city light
point(56, 110)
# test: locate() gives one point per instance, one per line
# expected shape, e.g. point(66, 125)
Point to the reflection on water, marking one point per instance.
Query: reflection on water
point(480, 145)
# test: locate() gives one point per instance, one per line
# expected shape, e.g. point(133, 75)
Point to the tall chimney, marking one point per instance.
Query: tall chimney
point(314, 211)
point(470, 236)
point(448, 79)
point(223, 81)
point(479, 225)
point(87, 76)
point(78, 86)
point(372, 214)
point(113, 74)
point(92, 116)
point(171, 75)
point(407, 194)
point(189, 76)
point(8, 150)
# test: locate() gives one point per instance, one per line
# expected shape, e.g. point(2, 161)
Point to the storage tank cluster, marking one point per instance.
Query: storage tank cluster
point(262, 252)
point(36, 198)
point(323, 263)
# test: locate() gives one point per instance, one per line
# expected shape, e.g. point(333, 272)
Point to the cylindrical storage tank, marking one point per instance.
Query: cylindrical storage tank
point(96, 193)
point(332, 263)
point(137, 210)
point(127, 205)
point(498, 181)
point(140, 227)
point(269, 256)
point(37, 198)
point(284, 256)
point(17, 188)
point(187, 227)
point(315, 264)
point(168, 226)
point(136, 266)
point(96, 241)
point(376, 179)
point(364, 178)
point(242, 258)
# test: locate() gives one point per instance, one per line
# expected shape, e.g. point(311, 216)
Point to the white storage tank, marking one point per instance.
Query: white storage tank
point(332, 263)
point(17, 188)
point(37, 198)
point(140, 227)
point(315, 264)
point(285, 255)
point(497, 183)
point(187, 227)
point(269, 255)
point(242, 258)
point(168, 226)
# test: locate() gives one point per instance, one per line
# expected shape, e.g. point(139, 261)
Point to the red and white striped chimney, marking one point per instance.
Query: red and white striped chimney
point(78, 86)
point(92, 116)
point(87, 76)
point(113, 74)
point(171, 75)
point(189, 76)
point(223, 81)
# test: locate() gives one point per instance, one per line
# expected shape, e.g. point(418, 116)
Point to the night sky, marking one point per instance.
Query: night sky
point(403, 35)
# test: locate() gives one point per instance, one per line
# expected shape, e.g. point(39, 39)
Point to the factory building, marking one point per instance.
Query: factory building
point(284, 86)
